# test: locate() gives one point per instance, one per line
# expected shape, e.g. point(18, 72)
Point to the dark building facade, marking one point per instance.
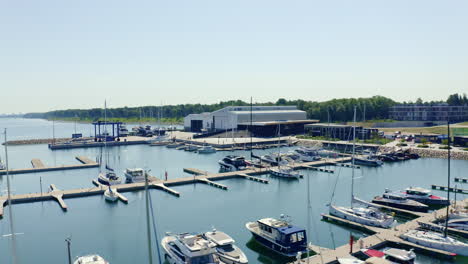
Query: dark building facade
point(270, 129)
point(342, 132)
point(429, 113)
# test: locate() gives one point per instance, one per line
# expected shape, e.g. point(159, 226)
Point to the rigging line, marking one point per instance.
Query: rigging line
point(314, 224)
point(338, 175)
point(154, 227)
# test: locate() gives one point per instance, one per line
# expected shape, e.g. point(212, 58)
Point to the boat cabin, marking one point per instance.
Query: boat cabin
point(418, 191)
point(237, 161)
point(291, 238)
point(394, 196)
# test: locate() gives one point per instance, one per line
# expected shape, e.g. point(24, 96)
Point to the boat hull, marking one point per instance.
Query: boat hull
point(459, 249)
point(409, 207)
point(344, 214)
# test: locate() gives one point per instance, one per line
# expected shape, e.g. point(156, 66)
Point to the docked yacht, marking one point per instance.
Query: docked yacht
point(274, 160)
point(401, 256)
point(279, 236)
point(109, 178)
point(437, 241)
point(399, 200)
point(225, 248)
point(458, 223)
point(307, 154)
point(189, 248)
point(123, 131)
point(174, 145)
point(424, 196)
point(285, 172)
point(368, 160)
point(134, 175)
point(90, 259)
point(206, 150)
point(191, 147)
point(111, 194)
point(232, 163)
point(366, 216)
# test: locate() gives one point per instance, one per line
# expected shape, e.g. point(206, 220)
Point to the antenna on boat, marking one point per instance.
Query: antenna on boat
point(448, 175)
point(10, 210)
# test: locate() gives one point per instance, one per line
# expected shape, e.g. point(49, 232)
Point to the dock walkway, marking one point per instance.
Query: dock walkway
point(38, 166)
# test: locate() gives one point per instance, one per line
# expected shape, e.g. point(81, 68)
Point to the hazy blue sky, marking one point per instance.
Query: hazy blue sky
point(75, 53)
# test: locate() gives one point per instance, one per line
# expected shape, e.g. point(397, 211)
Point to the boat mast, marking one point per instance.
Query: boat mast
point(279, 147)
point(251, 130)
point(448, 175)
point(352, 160)
point(148, 227)
point(105, 135)
point(10, 210)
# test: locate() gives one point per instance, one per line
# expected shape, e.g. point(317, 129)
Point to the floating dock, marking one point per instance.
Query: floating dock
point(451, 189)
point(38, 166)
point(199, 176)
point(124, 141)
point(380, 237)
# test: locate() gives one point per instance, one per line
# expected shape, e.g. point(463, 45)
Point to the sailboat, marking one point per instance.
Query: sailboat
point(108, 177)
point(434, 239)
point(363, 215)
point(2, 165)
point(279, 170)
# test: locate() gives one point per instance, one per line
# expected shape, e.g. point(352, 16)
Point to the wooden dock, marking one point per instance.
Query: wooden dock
point(199, 176)
point(38, 166)
point(451, 189)
point(379, 238)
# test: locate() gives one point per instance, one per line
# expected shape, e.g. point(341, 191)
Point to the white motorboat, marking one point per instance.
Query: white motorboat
point(109, 178)
point(90, 259)
point(111, 194)
point(206, 150)
point(134, 175)
point(361, 215)
point(285, 172)
point(401, 256)
point(123, 131)
point(225, 248)
point(189, 248)
point(307, 154)
point(458, 223)
point(368, 161)
point(437, 241)
point(274, 160)
point(350, 260)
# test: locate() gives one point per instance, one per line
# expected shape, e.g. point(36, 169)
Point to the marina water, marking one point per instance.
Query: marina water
point(117, 231)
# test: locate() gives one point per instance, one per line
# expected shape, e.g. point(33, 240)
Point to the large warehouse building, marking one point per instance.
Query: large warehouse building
point(234, 117)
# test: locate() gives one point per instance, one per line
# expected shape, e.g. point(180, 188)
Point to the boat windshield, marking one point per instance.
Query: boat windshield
point(202, 259)
point(227, 248)
point(296, 237)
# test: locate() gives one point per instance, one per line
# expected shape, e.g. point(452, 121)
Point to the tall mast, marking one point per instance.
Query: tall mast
point(148, 227)
point(251, 130)
point(279, 149)
point(448, 176)
point(10, 210)
point(352, 161)
point(105, 133)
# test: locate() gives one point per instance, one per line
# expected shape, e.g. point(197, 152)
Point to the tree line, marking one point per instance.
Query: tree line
point(335, 110)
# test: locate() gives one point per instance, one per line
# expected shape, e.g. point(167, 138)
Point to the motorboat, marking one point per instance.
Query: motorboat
point(401, 256)
point(366, 216)
point(437, 241)
point(109, 178)
point(285, 172)
point(174, 145)
point(306, 154)
point(399, 200)
point(273, 160)
point(368, 160)
point(206, 150)
point(191, 148)
point(233, 163)
point(123, 131)
point(458, 223)
point(148, 131)
point(424, 196)
point(111, 194)
point(134, 175)
point(90, 259)
point(279, 236)
point(225, 248)
point(349, 260)
point(189, 248)
point(2, 165)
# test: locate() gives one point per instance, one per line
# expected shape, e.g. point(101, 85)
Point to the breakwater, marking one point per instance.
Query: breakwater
point(40, 141)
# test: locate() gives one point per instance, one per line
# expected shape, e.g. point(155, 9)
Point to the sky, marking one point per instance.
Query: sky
point(76, 54)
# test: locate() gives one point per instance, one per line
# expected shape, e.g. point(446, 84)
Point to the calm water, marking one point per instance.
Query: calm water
point(117, 231)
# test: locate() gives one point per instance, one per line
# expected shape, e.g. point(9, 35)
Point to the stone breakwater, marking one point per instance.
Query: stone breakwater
point(440, 153)
point(310, 143)
point(38, 141)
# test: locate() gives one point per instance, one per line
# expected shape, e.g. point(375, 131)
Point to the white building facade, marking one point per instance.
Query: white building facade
point(230, 117)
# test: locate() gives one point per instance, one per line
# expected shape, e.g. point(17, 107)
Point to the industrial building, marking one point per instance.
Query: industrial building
point(239, 117)
point(429, 113)
point(339, 131)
